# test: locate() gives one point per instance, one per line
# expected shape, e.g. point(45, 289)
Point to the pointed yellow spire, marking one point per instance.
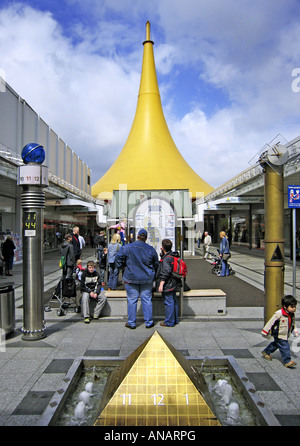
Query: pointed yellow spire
point(150, 159)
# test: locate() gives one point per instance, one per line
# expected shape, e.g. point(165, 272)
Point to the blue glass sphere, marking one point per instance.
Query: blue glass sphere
point(33, 153)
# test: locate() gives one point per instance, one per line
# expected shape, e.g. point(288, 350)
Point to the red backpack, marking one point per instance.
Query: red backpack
point(179, 268)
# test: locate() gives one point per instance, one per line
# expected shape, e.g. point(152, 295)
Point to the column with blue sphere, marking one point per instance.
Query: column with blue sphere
point(33, 177)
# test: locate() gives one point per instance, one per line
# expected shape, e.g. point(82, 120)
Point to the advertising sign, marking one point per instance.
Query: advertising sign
point(294, 196)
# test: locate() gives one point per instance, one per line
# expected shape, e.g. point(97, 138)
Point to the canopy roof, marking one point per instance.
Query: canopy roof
point(149, 159)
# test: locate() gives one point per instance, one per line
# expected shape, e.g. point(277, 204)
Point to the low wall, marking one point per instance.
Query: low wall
point(195, 303)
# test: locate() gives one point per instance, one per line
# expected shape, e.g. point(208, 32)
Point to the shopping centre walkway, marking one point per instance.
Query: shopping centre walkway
point(31, 372)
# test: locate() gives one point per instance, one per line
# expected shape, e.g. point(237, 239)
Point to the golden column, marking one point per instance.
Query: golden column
point(272, 163)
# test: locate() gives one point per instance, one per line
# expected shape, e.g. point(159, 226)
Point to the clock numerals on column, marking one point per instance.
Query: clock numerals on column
point(158, 399)
point(126, 399)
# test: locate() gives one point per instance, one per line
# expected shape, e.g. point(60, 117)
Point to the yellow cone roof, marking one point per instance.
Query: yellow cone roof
point(149, 159)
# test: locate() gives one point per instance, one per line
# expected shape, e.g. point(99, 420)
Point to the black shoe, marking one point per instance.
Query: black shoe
point(129, 326)
point(150, 326)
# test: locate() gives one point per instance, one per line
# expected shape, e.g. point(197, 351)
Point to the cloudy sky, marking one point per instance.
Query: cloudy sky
point(227, 73)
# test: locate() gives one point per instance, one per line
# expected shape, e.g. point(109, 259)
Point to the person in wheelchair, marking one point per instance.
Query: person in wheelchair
point(90, 286)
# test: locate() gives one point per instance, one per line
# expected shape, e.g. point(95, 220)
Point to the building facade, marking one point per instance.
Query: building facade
point(237, 207)
point(68, 199)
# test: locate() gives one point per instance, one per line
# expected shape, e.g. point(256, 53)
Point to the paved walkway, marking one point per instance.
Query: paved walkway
point(32, 371)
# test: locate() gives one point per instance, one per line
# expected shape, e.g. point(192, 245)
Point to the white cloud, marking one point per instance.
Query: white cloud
point(89, 100)
point(212, 146)
point(83, 80)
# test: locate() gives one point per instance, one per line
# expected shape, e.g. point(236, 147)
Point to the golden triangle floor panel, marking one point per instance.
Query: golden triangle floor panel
point(155, 391)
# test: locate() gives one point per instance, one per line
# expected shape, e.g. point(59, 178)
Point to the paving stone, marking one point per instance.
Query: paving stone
point(34, 403)
point(59, 366)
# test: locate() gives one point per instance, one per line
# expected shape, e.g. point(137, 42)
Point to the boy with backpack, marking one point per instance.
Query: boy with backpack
point(168, 284)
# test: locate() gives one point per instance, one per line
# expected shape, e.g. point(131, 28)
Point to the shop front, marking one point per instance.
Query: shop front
point(245, 226)
point(243, 222)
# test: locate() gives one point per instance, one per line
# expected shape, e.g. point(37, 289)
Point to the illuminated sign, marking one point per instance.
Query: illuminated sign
point(29, 224)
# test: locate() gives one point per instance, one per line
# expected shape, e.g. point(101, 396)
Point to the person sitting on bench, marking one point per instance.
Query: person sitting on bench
point(90, 286)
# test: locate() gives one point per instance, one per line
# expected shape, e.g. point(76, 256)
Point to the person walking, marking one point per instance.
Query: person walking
point(224, 254)
point(66, 250)
point(8, 249)
point(167, 284)
point(198, 238)
point(206, 244)
point(76, 243)
point(141, 262)
point(102, 265)
point(112, 250)
point(81, 242)
point(100, 243)
point(281, 324)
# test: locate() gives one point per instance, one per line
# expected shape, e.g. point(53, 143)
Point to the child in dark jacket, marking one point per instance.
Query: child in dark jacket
point(102, 265)
point(281, 324)
point(167, 284)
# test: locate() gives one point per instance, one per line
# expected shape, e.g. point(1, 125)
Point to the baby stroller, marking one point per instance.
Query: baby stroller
point(65, 295)
point(217, 265)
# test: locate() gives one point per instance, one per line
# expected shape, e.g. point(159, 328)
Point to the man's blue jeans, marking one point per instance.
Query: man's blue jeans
point(283, 347)
point(171, 308)
point(134, 291)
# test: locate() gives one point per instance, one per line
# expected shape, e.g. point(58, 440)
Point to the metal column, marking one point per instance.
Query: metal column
point(274, 240)
point(33, 203)
point(33, 177)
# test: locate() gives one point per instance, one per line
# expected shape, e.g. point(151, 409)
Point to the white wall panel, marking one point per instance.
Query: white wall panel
point(43, 139)
point(53, 153)
point(68, 166)
point(8, 119)
point(30, 122)
point(80, 174)
point(20, 125)
point(75, 170)
point(61, 159)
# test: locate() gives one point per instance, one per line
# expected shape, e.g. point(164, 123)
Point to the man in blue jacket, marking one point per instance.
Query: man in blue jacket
point(140, 261)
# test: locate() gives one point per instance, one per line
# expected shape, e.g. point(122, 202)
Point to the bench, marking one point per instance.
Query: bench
point(195, 303)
